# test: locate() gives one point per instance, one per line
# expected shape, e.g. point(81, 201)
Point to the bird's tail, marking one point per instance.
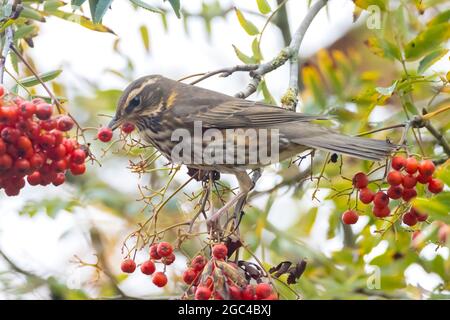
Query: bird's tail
point(363, 148)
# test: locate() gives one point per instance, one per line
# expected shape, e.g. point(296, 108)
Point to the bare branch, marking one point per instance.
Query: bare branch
point(290, 99)
point(289, 53)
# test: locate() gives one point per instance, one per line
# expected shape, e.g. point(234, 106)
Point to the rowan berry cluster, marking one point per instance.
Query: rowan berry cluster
point(205, 281)
point(159, 252)
point(406, 173)
point(34, 145)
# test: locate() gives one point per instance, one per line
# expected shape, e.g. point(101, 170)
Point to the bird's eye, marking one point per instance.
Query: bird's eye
point(133, 104)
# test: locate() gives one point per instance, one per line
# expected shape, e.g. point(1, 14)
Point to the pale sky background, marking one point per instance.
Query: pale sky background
point(41, 243)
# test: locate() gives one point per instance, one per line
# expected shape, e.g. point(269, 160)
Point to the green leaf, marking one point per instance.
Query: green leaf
point(52, 5)
point(383, 48)
point(176, 7)
point(442, 17)
point(268, 98)
point(25, 31)
point(431, 59)
point(364, 4)
point(243, 57)
point(387, 91)
point(428, 40)
point(77, 3)
point(98, 9)
point(256, 50)
point(146, 6)
point(263, 6)
point(438, 206)
point(32, 80)
point(145, 37)
point(248, 26)
point(81, 20)
point(30, 13)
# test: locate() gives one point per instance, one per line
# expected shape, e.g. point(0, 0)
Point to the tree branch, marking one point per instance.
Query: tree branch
point(16, 8)
point(289, 100)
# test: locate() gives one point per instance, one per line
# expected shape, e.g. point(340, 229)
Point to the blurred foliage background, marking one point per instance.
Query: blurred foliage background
point(367, 79)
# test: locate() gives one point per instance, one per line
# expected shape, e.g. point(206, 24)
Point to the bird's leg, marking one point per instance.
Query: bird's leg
point(245, 185)
point(241, 203)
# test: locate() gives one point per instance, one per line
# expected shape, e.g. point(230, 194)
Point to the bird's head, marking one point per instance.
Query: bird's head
point(139, 99)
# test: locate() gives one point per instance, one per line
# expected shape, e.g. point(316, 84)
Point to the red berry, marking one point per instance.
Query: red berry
point(426, 168)
point(164, 249)
point(198, 263)
point(398, 162)
point(27, 109)
point(423, 179)
point(350, 217)
point(65, 123)
point(366, 195)
point(59, 180)
point(104, 134)
point(409, 194)
point(57, 153)
point(409, 219)
point(48, 125)
point(220, 251)
point(248, 293)
point(421, 217)
point(395, 192)
point(2, 147)
point(22, 166)
point(34, 179)
point(263, 290)
point(59, 136)
point(381, 199)
point(154, 252)
point(44, 111)
point(381, 212)
point(235, 293)
point(128, 266)
point(189, 276)
point(411, 165)
point(409, 181)
point(78, 156)
point(128, 127)
point(159, 279)
point(202, 293)
point(6, 162)
point(435, 186)
point(24, 144)
point(47, 141)
point(2, 91)
point(360, 180)
point(168, 260)
point(77, 169)
point(148, 267)
point(37, 160)
point(10, 135)
point(394, 178)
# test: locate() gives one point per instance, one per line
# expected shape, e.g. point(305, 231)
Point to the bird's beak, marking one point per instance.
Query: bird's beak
point(114, 123)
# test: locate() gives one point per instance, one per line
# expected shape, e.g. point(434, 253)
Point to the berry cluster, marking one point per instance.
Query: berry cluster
point(402, 180)
point(34, 145)
point(201, 276)
point(162, 252)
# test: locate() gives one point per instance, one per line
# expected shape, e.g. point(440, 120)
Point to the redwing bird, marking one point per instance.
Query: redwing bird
point(158, 106)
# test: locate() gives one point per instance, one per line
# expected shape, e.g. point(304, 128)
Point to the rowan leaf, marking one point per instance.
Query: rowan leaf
point(428, 40)
point(247, 25)
point(146, 6)
point(431, 59)
point(45, 77)
point(263, 6)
